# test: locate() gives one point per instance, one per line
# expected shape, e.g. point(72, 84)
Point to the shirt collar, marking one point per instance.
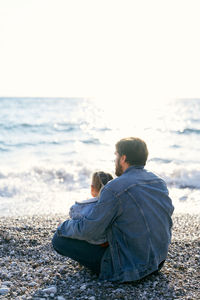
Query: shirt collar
point(132, 168)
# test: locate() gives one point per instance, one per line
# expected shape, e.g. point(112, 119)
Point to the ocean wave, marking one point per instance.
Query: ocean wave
point(75, 178)
point(42, 127)
point(4, 149)
point(8, 191)
point(160, 160)
point(188, 131)
point(21, 126)
point(51, 126)
point(91, 141)
point(49, 175)
point(28, 144)
point(182, 178)
point(175, 146)
point(40, 188)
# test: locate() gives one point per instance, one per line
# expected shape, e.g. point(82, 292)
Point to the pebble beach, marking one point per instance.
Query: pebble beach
point(31, 269)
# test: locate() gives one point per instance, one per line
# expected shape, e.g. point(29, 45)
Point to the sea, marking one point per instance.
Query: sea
point(49, 148)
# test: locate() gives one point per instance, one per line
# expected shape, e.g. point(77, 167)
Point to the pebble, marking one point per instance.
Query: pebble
point(30, 269)
point(83, 287)
point(118, 291)
point(7, 283)
point(4, 290)
point(51, 295)
point(33, 283)
point(50, 290)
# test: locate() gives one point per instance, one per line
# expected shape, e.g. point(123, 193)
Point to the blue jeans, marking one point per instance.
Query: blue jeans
point(88, 255)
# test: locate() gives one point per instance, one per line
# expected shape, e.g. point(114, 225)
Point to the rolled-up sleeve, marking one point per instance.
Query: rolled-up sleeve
point(97, 222)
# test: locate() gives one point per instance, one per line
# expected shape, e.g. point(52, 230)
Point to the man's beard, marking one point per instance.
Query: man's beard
point(118, 168)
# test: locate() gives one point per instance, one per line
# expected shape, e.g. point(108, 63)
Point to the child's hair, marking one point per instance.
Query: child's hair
point(99, 179)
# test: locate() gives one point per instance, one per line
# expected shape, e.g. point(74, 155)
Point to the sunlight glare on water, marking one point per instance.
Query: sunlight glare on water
point(131, 117)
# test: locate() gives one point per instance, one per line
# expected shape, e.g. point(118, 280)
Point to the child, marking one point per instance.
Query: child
point(83, 208)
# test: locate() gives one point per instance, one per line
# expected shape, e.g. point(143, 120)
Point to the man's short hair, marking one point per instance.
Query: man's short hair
point(135, 150)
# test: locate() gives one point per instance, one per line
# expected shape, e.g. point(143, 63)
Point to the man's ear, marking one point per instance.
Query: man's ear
point(123, 158)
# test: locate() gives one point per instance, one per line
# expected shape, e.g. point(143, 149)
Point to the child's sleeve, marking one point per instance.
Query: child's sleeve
point(76, 211)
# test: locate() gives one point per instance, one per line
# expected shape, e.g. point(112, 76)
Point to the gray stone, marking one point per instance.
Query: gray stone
point(60, 298)
point(83, 287)
point(4, 290)
point(51, 289)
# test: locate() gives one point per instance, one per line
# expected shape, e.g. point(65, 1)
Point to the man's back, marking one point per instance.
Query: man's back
point(141, 232)
point(143, 194)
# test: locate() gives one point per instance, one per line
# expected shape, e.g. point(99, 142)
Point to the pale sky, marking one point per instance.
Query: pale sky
point(89, 48)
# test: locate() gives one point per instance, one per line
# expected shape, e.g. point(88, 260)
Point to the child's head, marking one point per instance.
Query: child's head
point(99, 179)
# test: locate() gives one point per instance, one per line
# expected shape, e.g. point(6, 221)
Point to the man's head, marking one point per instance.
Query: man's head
point(130, 152)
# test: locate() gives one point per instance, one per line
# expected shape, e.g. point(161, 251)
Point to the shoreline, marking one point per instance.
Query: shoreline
point(31, 269)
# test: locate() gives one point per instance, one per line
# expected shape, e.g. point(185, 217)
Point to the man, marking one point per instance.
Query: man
point(133, 211)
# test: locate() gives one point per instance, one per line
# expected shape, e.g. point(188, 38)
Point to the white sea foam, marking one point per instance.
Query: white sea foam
point(53, 190)
point(179, 176)
point(42, 191)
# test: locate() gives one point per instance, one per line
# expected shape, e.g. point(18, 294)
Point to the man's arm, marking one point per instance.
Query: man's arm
point(96, 223)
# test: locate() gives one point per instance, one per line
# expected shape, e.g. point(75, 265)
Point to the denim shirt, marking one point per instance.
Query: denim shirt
point(82, 209)
point(134, 212)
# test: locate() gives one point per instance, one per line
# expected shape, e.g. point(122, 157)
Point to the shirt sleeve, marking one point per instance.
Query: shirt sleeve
point(96, 223)
point(71, 211)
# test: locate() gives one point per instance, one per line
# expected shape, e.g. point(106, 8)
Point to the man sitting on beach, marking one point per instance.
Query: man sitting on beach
point(133, 212)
